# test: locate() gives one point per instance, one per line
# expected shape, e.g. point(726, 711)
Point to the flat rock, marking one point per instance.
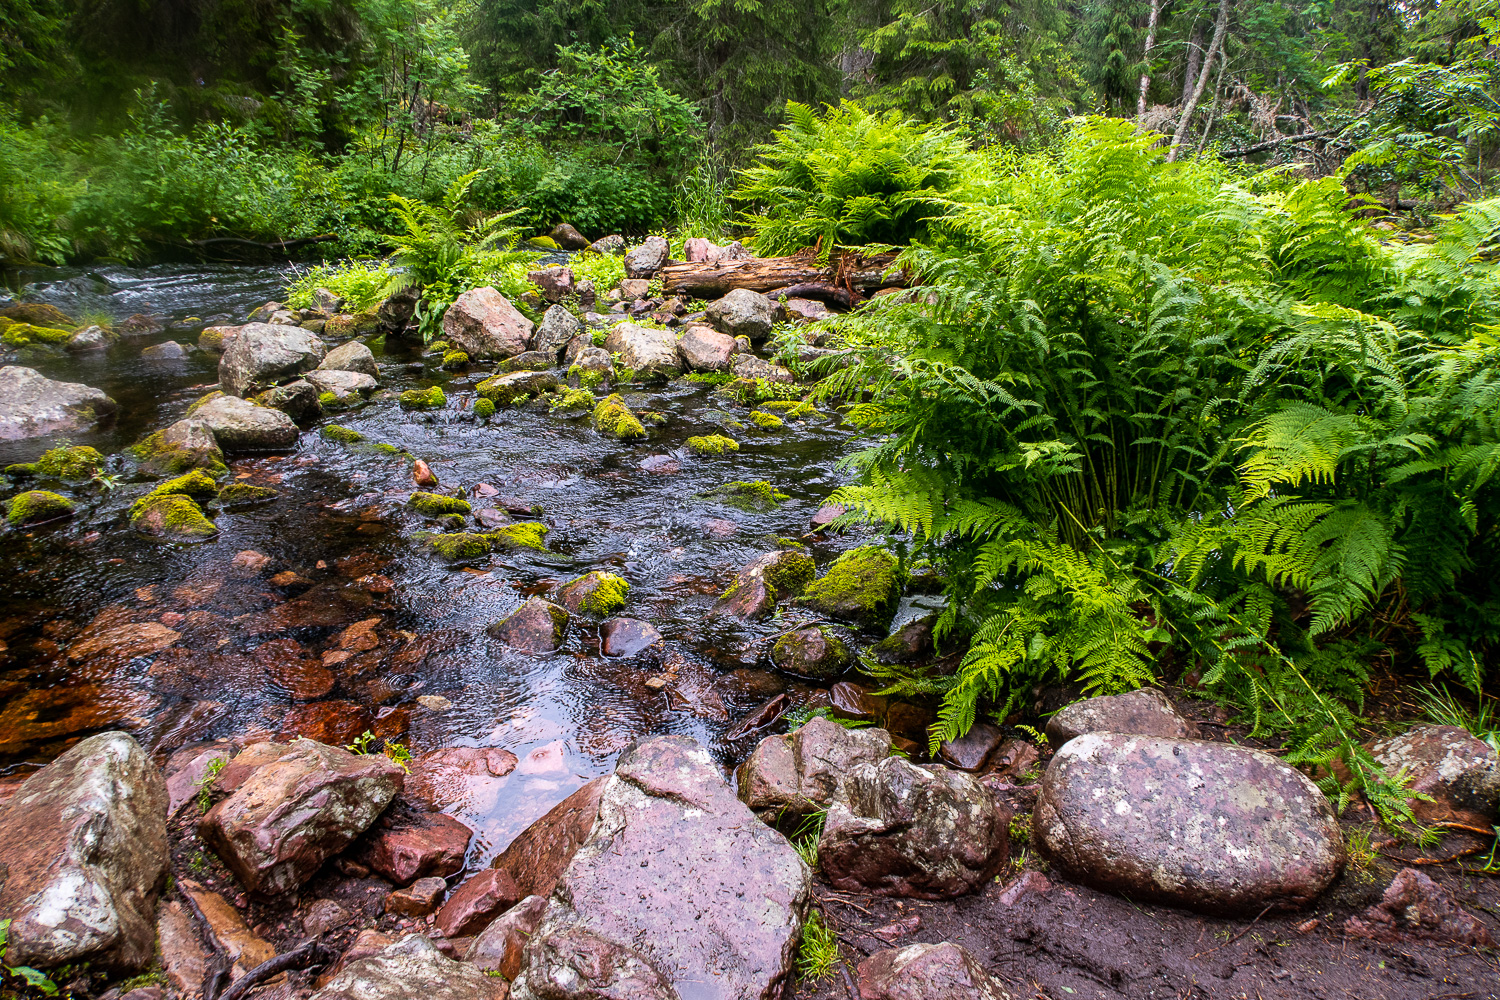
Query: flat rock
point(1209, 826)
point(239, 425)
point(1146, 712)
point(716, 898)
point(263, 355)
point(244, 948)
point(537, 626)
point(895, 829)
point(1414, 906)
point(84, 843)
point(559, 326)
point(32, 405)
point(802, 772)
point(742, 313)
point(352, 357)
point(627, 636)
point(418, 899)
point(183, 959)
point(1461, 774)
point(483, 324)
point(296, 812)
point(345, 385)
point(410, 969)
point(644, 349)
point(927, 972)
point(537, 858)
point(480, 899)
point(704, 349)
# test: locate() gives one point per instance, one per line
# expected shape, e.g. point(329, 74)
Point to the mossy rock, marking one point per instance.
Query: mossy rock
point(38, 314)
point(245, 495)
point(197, 484)
point(812, 652)
point(766, 421)
point(484, 408)
point(203, 401)
point(756, 495)
point(790, 409)
point(653, 418)
point(423, 399)
point(573, 401)
point(386, 448)
point(27, 334)
point(712, 444)
point(156, 455)
point(861, 587)
point(460, 546)
point(38, 507)
point(173, 517)
point(63, 462)
point(436, 505)
point(345, 325)
point(522, 535)
point(455, 361)
point(612, 416)
point(341, 434)
point(597, 593)
point(543, 243)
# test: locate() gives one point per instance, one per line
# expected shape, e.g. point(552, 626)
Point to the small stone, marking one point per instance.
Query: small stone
point(410, 969)
point(970, 751)
point(434, 702)
point(240, 944)
point(825, 516)
point(627, 637)
point(422, 474)
point(1031, 883)
point(460, 777)
point(537, 626)
point(1146, 712)
point(418, 899)
point(812, 652)
point(250, 561)
point(1461, 774)
point(324, 915)
point(926, 972)
point(410, 846)
point(500, 947)
point(478, 901)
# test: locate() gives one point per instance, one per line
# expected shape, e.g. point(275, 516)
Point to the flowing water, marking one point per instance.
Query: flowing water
point(101, 628)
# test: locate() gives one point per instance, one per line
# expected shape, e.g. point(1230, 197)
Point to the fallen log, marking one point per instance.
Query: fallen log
point(762, 274)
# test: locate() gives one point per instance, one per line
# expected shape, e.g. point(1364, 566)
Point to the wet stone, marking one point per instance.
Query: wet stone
point(537, 626)
point(244, 948)
point(408, 846)
point(418, 899)
point(536, 859)
point(803, 771)
point(500, 946)
point(927, 972)
point(627, 637)
point(812, 652)
point(332, 722)
point(480, 899)
point(1208, 826)
point(970, 751)
point(1413, 906)
point(1146, 712)
point(1461, 774)
point(852, 701)
point(410, 969)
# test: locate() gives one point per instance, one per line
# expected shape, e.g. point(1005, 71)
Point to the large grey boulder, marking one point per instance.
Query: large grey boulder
point(645, 260)
point(743, 313)
point(239, 425)
point(263, 355)
point(678, 892)
point(32, 405)
point(558, 327)
point(643, 349)
point(804, 770)
point(83, 853)
point(351, 357)
point(410, 969)
point(1210, 826)
point(896, 829)
point(1145, 712)
point(483, 324)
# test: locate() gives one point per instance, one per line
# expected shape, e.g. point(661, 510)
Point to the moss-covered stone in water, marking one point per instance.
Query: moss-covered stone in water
point(386, 448)
point(790, 409)
point(243, 495)
point(612, 416)
point(523, 535)
point(766, 421)
point(460, 546)
point(754, 495)
point(436, 505)
point(589, 380)
point(455, 361)
point(423, 399)
point(712, 444)
point(595, 593)
point(327, 400)
point(173, 516)
point(343, 435)
point(22, 334)
point(38, 506)
point(812, 652)
point(484, 408)
point(862, 587)
point(790, 574)
point(77, 462)
point(573, 400)
point(202, 401)
point(158, 456)
point(197, 484)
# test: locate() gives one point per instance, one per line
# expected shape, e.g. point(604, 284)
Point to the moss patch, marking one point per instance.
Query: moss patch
point(612, 416)
point(423, 399)
point(436, 505)
point(173, 516)
point(343, 435)
point(596, 593)
point(387, 449)
point(754, 495)
point(862, 586)
point(77, 462)
point(484, 408)
point(460, 546)
point(37, 506)
point(523, 535)
point(712, 444)
point(22, 334)
point(753, 391)
point(455, 361)
point(790, 409)
point(766, 421)
point(790, 574)
point(159, 456)
point(573, 400)
point(243, 495)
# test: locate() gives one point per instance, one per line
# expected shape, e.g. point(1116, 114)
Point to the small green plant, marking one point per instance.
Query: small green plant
point(818, 955)
point(205, 783)
point(1482, 721)
point(106, 481)
point(31, 977)
point(1020, 828)
point(1361, 853)
point(361, 744)
point(799, 717)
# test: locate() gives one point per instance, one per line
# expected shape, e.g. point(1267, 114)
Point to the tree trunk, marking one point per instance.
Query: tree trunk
point(1140, 101)
point(762, 274)
point(1194, 57)
point(1221, 26)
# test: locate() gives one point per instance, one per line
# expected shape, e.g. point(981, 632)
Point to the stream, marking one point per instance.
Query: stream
point(351, 624)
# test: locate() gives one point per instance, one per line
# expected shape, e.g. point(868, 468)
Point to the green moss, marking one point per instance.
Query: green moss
point(455, 361)
point(460, 546)
point(710, 378)
point(203, 401)
point(484, 408)
point(861, 586)
point(172, 515)
point(794, 654)
point(157, 455)
point(590, 379)
point(197, 484)
point(766, 421)
point(329, 401)
point(63, 462)
point(436, 505)
point(502, 393)
point(754, 495)
point(752, 392)
point(544, 243)
point(423, 399)
point(612, 416)
point(791, 409)
point(387, 449)
point(573, 399)
point(606, 592)
point(22, 334)
point(712, 444)
point(342, 435)
point(37, 506)
point(522, 535)
point(439, 347)
point(243, 495)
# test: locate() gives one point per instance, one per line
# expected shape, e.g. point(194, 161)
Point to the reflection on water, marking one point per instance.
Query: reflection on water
point(348, 624)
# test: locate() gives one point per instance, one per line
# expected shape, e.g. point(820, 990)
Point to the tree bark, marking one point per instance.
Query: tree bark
point(1221, 26)
point(1140, 101)
point(761, 274)
point(1194, 58)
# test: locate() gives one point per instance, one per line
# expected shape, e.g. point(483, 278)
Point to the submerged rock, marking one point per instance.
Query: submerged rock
point(538, 857)
point(716, 898)
point(263, 355)
point(1146, 712)
point(802, 772)
point(484, 325)
point(32, 405)
point(627, 637)
point(1209, 826)
point(84, 849)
